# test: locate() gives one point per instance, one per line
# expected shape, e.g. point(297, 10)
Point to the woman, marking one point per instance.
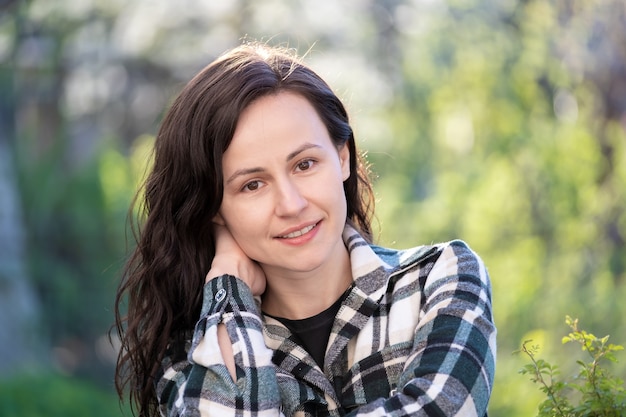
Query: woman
point(255, 290)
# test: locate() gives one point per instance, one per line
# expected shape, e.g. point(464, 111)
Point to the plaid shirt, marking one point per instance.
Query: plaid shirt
point(414, 337)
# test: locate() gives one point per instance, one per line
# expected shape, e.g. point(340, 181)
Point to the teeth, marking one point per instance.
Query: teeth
point(299, 232)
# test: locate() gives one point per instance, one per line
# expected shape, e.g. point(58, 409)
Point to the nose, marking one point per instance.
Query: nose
point(289, 199)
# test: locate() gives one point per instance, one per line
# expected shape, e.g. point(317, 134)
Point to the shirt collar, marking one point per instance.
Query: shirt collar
point(372, 265)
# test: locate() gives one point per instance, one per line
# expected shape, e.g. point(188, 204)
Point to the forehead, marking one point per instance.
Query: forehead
point(264, 109)
point(278, 122)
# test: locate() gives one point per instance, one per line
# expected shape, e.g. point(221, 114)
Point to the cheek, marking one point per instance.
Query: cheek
point(246, 233)
point(244, 221)
point(250, 241)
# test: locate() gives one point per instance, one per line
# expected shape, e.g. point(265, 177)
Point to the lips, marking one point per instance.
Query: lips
point(298, 233)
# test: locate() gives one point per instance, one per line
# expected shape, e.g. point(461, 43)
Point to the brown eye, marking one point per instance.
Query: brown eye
point(251, 186)
point(304, 165)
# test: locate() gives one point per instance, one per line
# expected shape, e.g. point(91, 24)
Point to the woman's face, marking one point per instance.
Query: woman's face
point(283, 186)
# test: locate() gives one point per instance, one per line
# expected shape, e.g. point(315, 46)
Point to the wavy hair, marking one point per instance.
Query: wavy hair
point(162, 283)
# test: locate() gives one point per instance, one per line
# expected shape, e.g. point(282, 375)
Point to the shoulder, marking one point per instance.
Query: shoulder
point(458, 257)
point(424, 253)
point(453, 257)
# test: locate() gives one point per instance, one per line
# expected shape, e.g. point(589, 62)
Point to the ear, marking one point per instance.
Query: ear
point(344, 161)
point(218, 219)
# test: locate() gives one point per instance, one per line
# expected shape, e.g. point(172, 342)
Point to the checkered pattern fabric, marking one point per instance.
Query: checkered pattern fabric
point(415, 337)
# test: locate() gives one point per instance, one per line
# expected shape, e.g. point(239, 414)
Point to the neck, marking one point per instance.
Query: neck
point(304, 294)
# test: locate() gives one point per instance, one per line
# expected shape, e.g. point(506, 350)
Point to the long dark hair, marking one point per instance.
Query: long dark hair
point(163, 280)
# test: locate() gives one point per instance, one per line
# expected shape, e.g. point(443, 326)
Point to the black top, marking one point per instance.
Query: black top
point(313, 332)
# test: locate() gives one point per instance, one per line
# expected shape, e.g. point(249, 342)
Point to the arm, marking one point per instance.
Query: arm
point(228, 370)
point(451, 368)
point(230, 259)
point(200, 383)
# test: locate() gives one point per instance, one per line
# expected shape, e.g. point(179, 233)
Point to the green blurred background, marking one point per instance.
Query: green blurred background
point(501, 122)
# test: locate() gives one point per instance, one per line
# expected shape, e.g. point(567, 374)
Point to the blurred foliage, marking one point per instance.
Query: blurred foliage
point(52, 395)
point(501, 123)
point(76, 250)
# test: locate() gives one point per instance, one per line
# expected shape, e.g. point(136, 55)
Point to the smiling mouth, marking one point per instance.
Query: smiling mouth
point(299, 233)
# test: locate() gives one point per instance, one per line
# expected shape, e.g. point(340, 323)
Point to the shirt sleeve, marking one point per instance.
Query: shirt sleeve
point(199, 383)
point(450, 371)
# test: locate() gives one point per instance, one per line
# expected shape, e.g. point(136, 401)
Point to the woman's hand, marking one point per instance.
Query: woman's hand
point(230, 259)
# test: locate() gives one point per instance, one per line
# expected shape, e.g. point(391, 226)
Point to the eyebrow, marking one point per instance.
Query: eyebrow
point(301, 149)
point(255, 170)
